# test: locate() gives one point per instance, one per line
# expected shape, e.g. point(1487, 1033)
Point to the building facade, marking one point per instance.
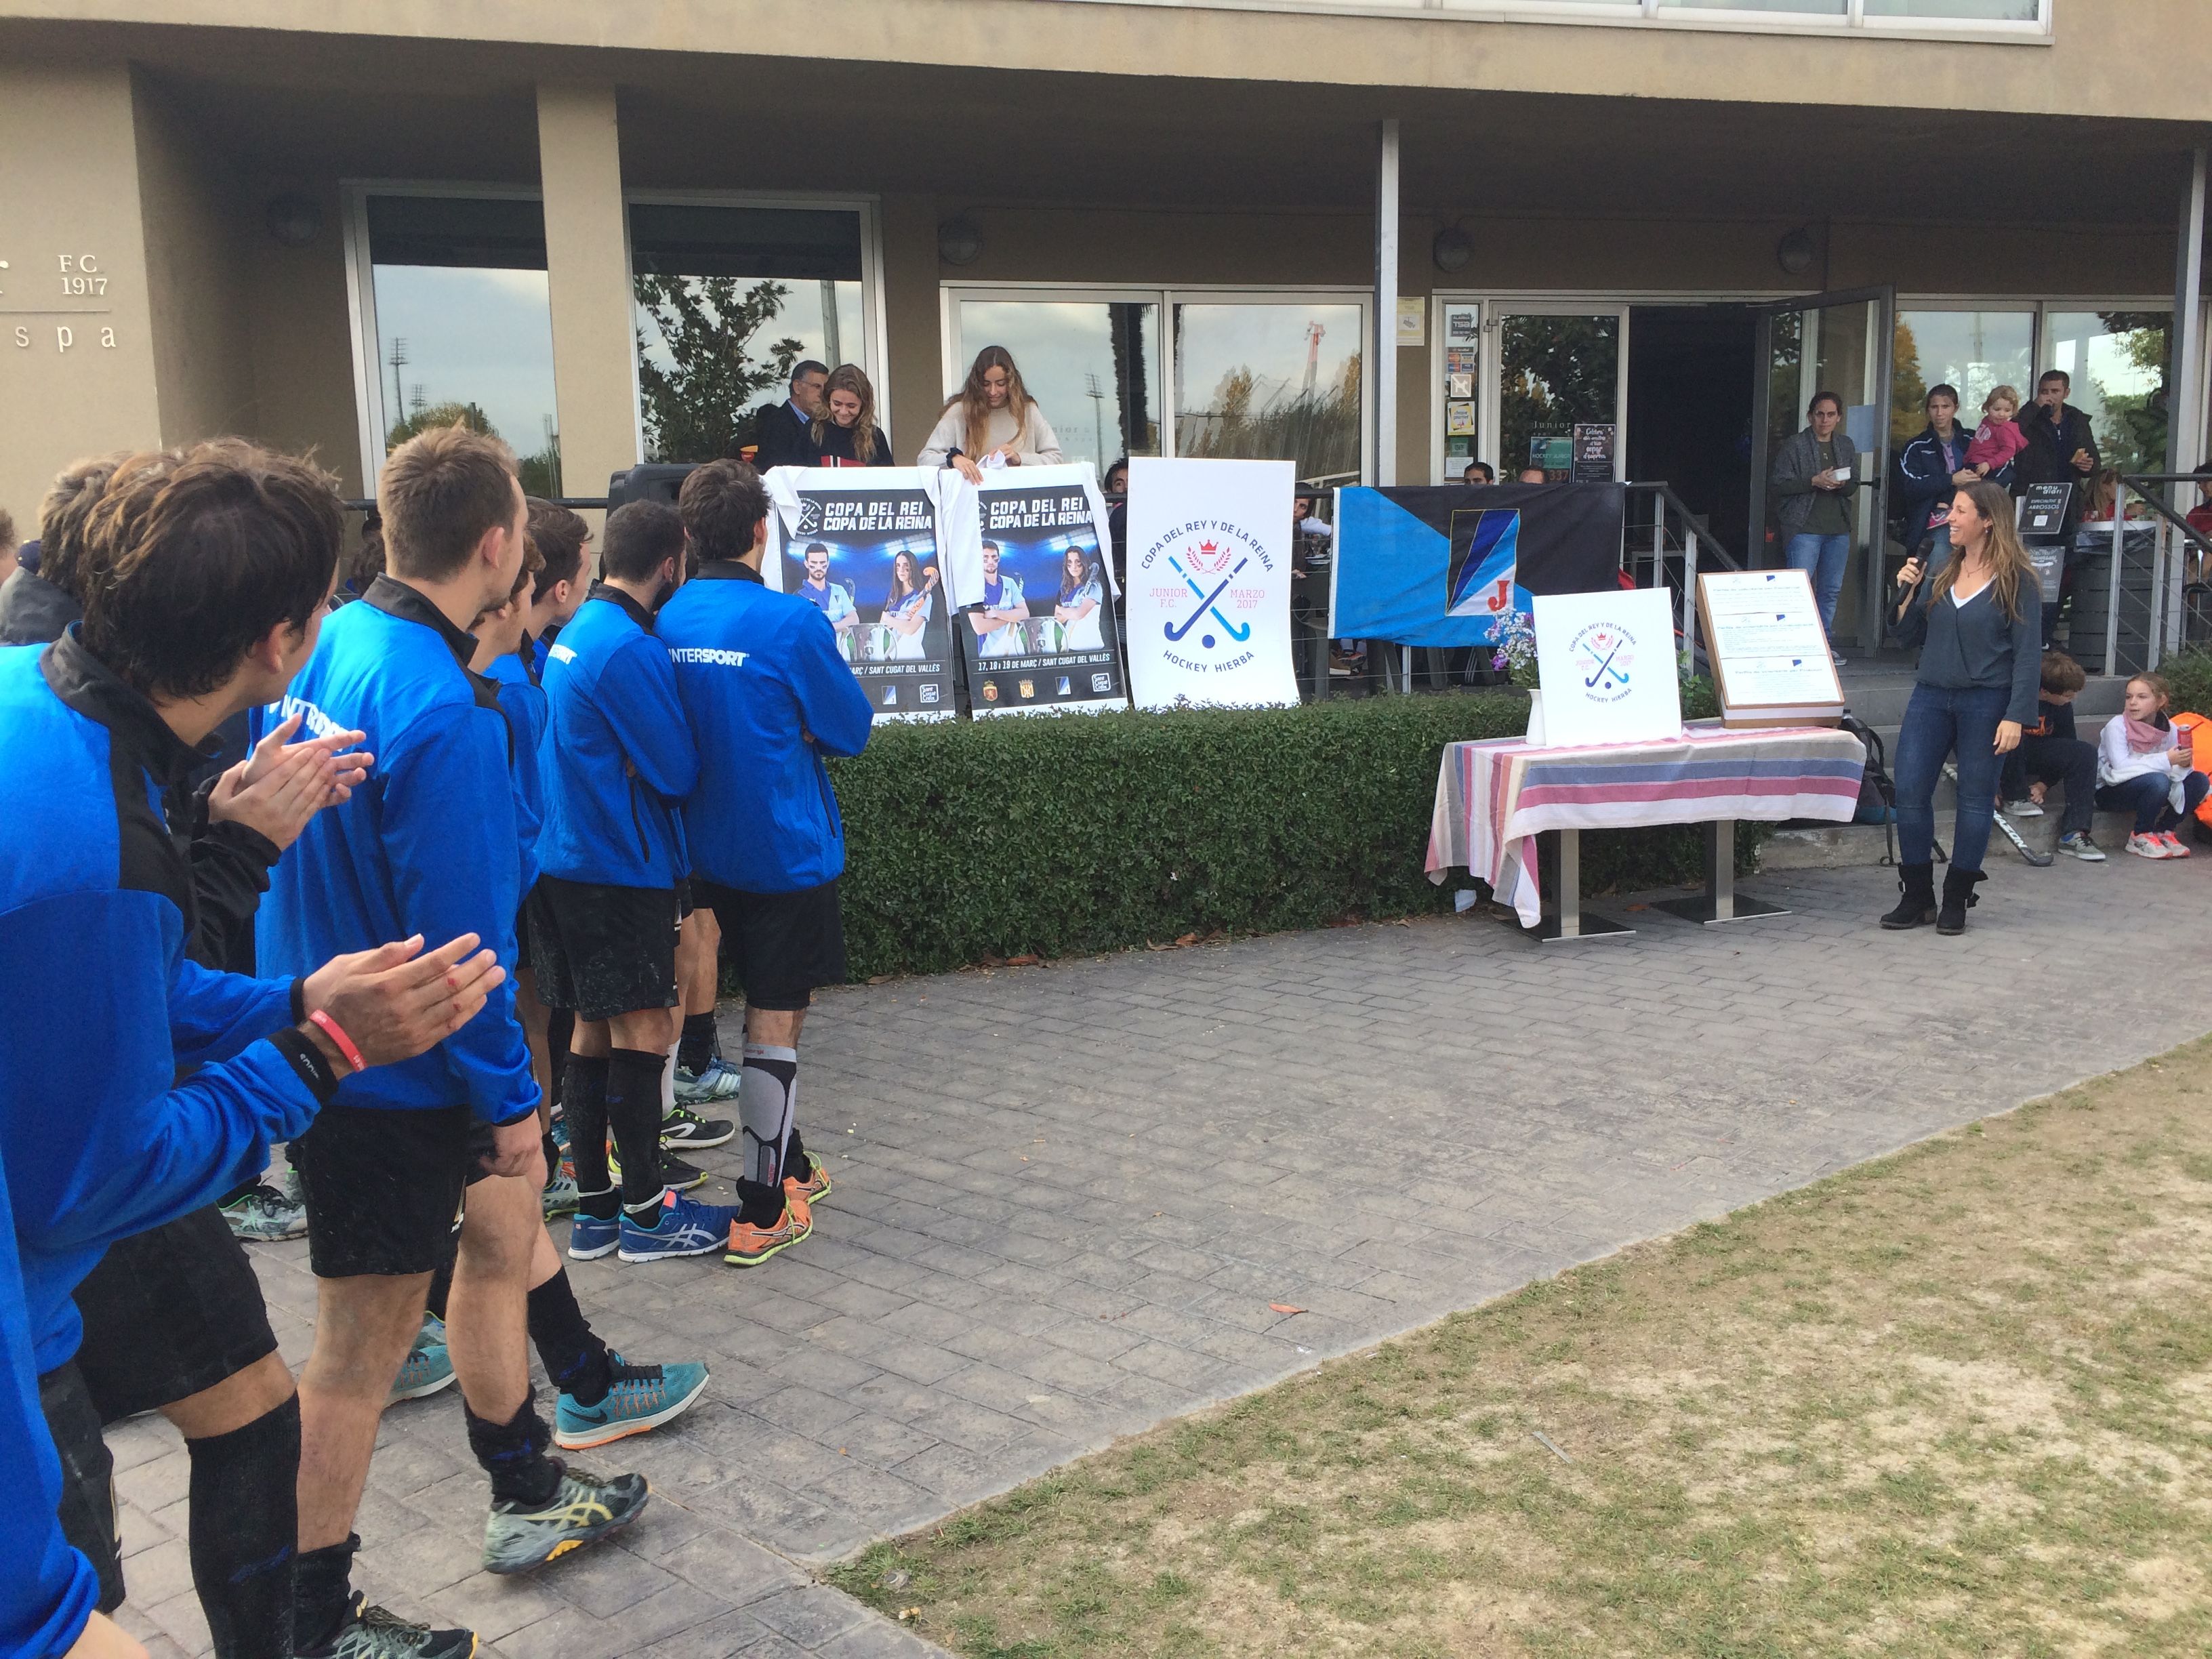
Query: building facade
point(1378, 239)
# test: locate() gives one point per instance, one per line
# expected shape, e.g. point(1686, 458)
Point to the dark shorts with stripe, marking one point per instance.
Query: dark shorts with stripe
point(600, 951)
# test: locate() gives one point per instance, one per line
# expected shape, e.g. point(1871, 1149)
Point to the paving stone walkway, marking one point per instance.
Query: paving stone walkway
point(1067, 1195)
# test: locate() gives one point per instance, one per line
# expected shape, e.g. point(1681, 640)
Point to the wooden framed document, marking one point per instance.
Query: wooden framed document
point(1769, 653)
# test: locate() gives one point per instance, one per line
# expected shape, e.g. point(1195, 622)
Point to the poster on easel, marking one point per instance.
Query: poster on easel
point(860, 544)
point(1770, 655)
point(1032, 590)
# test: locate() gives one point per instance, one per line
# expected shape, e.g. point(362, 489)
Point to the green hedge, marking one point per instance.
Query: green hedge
point(2190, 673)
point(971, 841)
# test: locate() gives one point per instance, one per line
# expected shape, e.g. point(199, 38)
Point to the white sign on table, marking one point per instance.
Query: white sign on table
point(1769, 654)
point(1607, 661)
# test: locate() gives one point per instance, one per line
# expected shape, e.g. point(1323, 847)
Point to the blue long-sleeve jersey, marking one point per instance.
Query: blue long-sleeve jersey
point(618, 755)
point(426, 847)
point(767, 695)
point(523, 701)
point(95, 910)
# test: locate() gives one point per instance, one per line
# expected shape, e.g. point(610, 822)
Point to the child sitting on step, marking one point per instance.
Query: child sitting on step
point(2145, 767)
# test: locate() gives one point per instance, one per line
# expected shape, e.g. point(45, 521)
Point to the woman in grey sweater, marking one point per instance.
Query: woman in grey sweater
point(1813, 474)
point(1978, 623)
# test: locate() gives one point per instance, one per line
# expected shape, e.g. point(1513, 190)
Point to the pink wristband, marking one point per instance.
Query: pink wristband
point(332, 1029)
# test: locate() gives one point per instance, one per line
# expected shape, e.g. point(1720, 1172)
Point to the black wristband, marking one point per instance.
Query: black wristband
point(306, 1059)
point(300, 1003)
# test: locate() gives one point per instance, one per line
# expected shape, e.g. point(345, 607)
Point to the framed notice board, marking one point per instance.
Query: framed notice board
point(1769, 653)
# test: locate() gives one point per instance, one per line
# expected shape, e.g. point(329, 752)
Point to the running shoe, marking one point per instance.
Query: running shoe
point(2174, 849)
point(428, 1367)
point(750, 1246)
point(676, 1175)
point(719, 1082)
point(643, 1398)
point(560, 1133)
point(2077, 843)
point(373, 1633)
point(590, 1238)
point(686, 1128)
point(583, 1510)
point(2147, 847)
point(560, 1198)
point(681, 1227)
point(266, 1215)
point(2023, 809)
point(817, 1186)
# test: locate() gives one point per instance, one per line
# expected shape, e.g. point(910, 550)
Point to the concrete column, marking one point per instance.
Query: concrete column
point(1384, 345)
point(77, 369)
point(914, 348)
point(2184, 424)
point(587, 269)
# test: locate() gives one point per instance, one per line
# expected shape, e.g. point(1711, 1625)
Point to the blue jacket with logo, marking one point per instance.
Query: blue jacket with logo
point(426, 846)
point(618, 756)
point(103, 1015)
point(523, 701)
point(769, 696)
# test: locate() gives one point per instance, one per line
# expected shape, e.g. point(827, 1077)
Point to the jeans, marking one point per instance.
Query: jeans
point(1939, 724)
point(1825, 556)
point(2067, 761)
point(2145, 797)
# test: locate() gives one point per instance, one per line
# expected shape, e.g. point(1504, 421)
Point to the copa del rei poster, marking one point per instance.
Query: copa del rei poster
point(1209, 582)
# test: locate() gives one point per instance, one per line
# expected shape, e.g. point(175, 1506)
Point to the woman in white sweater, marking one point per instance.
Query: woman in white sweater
point(990, 415)
point(2145, 766)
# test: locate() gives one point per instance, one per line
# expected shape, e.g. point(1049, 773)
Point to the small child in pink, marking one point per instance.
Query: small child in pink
point(1999, 437)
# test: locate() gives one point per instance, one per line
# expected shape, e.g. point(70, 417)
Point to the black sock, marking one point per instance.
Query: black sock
point(575, 1358)
point(552, 1149)
point(634, 1113)
point(794, 1158)
point(697, 1051)
point(585, 1108)
point(244, 1525)
point(322, 1593)
point(513, 1454)
point(560, 1031)
point(759, 1203)
point(441, 1280)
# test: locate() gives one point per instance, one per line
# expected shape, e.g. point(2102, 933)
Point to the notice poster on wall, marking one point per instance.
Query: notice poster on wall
point(861, 545)
point(1607, 661)
point(1032, 593)
point(1210, 582)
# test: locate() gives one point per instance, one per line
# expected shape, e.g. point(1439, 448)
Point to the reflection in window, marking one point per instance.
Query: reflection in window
point(728, 300)
point(1093, 366)
point(1270, 382)
point(1801, 8)
point(1553, 372)
point(1978, 11)
point(2118, 362)
point(464, 324)
point(1976, 351)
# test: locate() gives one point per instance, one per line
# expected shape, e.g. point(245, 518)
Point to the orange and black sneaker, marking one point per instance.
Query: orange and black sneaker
point(750, 1246)
point(816, 1185)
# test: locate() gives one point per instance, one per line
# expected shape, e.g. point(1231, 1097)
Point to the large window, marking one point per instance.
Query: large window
point(1267, 376)
point(1976, 351)
point(456, 324)
point(2117, 361)
point(728, 297)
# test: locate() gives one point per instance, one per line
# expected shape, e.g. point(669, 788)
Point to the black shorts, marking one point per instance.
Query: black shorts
point(87, 1505)
point(382, 1186)
point(168, 1314)
point(780, 946)
point(601, 951)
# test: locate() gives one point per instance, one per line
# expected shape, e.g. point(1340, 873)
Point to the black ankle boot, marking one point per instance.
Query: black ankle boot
point(1958, 899)
point(1916, 882)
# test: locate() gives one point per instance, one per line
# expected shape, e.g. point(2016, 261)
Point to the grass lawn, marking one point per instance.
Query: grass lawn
point(1958, 1401)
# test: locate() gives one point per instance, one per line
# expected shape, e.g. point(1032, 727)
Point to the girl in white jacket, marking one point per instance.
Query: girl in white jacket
point(2145, 767)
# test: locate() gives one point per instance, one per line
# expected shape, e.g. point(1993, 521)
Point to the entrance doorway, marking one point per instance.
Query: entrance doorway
point(1690, 411)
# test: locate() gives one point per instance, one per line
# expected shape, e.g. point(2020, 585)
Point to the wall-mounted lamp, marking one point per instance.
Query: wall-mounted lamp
point(1795, 252)
point(958, 241)
point(294, 221)
point(1452, 249)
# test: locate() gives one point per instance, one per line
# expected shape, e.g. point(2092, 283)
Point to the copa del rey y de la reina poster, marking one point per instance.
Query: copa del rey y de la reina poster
point(1209, 582)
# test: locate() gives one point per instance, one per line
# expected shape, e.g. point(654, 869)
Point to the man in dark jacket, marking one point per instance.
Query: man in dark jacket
point(2061, 449)
point(785, 437)
point(1929, 469)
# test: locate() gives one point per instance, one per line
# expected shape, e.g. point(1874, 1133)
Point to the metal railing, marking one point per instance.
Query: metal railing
point(2173, 606)
point(1696, 546)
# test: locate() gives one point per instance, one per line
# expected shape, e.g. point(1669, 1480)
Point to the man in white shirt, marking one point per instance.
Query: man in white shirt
point(997, 625)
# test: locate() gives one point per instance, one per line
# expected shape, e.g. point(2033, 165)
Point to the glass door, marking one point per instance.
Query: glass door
point(1559, 366)
point(1845, 343)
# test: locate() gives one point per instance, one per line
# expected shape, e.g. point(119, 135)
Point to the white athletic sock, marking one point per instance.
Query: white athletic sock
point(767, 1096)
point(668, 1079)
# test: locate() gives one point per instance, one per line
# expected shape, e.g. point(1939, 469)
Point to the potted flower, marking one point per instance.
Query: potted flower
point(1515, 640)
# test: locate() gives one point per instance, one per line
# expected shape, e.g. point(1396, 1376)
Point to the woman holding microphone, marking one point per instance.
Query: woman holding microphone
point(1978, 623)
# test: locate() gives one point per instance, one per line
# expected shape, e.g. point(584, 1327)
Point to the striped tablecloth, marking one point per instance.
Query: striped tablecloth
point(1493, 798)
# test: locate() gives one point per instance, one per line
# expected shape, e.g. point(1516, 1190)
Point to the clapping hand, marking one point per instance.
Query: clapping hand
point(283, 784)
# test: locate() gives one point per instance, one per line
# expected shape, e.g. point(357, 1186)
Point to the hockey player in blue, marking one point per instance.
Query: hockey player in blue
point(768, 694)
point(387, 1164)
point(214, 565)
point(604, 922)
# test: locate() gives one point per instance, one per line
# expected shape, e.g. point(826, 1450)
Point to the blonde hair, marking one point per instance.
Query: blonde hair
point(850, 377)
point(974, 404)
point(2009, 561)
point(2001, 394)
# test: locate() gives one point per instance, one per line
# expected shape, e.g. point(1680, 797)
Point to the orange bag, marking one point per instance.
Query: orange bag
point(2199, 728)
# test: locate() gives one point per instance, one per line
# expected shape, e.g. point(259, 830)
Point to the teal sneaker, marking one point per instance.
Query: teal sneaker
point(372, 1633)
point(719, 1082)
point(583, 1510)
point(643, 1398)
point(266, 1215)
point(428, 1368)
point(560, 1196)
